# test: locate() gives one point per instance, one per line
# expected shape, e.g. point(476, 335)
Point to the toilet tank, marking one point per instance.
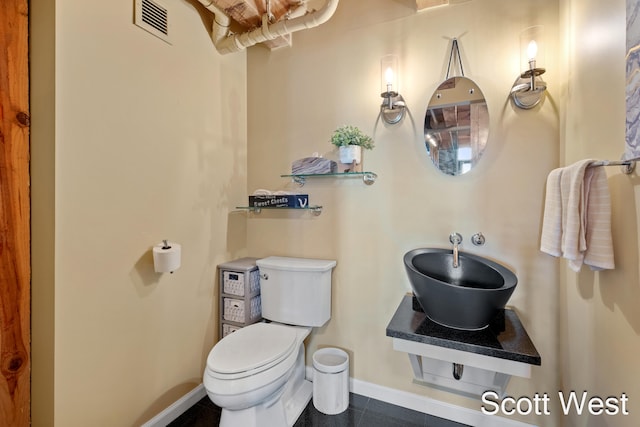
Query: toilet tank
point(296, 291)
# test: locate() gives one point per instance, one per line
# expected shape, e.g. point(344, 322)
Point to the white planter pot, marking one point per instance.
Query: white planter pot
point(350, 153)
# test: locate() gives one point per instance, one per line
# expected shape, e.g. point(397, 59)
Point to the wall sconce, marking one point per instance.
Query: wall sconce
point(529, 88)
point(393, 107)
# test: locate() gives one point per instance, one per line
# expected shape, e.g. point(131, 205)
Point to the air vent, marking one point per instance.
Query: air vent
point(153, 17)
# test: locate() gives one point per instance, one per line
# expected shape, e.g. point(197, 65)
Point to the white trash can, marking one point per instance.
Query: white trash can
point(330, 380)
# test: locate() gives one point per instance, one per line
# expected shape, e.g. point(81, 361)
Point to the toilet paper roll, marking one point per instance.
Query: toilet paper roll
point(166, 257)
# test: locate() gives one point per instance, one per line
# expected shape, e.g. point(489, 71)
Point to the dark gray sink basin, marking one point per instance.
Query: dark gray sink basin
point(467, 297)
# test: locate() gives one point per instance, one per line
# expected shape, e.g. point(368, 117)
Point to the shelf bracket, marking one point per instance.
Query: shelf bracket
point(300, 180)
point(369, 178)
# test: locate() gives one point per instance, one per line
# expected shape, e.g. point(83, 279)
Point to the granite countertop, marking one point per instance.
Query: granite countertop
point(504, 338)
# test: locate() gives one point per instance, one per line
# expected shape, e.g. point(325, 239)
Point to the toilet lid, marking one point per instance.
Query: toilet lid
point(252, 347)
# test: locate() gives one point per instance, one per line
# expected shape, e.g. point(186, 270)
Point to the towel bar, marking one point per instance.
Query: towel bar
point(628, 166)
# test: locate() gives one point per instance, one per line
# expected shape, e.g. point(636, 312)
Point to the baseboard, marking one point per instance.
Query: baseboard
point(427, 405)
point(177, 408)
point(401, 398)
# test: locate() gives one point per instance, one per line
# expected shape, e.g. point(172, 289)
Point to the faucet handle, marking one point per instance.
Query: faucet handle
point(455, 238)
point(478, 239)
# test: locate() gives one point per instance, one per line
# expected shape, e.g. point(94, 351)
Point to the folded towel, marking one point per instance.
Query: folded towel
point(313, 165)
point(577, 217)
point(550, 242)
point(598, 254)
point(573, 210)
point(263, 192)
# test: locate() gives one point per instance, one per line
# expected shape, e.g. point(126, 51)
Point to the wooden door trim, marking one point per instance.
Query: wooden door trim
point(15, 258)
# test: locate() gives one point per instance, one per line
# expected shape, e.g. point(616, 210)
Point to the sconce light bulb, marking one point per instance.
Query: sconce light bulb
point(532, 50)
point(388, 76)
point(392, 109)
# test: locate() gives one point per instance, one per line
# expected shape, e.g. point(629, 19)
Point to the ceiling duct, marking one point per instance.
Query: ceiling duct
point(227, 42)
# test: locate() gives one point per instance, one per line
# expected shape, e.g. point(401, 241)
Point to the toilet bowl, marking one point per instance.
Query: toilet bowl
point(252, 366)
point(257, 374)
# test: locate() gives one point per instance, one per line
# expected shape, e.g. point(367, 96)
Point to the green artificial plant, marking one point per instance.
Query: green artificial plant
point(351, 135)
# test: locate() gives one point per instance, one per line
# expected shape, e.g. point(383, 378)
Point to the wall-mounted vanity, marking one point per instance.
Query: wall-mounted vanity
point(464, 362)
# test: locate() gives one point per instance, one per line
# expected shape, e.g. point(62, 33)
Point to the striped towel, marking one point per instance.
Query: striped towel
point(577, 217)
point(598, 254)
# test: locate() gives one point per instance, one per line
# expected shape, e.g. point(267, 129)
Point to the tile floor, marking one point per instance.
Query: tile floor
point(362, 412)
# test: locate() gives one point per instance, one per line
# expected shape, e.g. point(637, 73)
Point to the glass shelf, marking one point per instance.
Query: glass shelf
point(300, 179)
point(315, 209)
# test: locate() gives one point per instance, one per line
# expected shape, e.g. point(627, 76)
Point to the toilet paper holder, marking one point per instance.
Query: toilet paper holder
point(166, 257)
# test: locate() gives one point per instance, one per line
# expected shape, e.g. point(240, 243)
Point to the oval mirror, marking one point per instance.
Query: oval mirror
point(456, 126)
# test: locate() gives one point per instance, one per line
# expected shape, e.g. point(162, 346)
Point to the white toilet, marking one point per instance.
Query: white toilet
point(257, 374)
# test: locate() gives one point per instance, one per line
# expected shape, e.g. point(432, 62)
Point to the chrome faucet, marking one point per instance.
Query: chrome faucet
point(455, 239)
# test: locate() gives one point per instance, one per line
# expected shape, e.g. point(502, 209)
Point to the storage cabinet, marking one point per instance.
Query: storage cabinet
point(240, 303)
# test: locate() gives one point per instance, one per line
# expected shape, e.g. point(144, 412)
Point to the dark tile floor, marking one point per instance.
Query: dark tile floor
point(362, 412)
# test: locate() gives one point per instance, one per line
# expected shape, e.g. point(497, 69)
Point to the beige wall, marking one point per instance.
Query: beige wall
point(600, 320)
point(330, 77)
point(134, 140)
point(148, 142)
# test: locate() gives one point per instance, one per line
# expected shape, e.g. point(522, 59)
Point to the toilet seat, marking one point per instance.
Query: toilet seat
point(251, 350)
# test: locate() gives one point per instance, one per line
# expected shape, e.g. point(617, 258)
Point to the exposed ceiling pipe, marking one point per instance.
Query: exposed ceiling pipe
point(221, 21)
point(237, 42)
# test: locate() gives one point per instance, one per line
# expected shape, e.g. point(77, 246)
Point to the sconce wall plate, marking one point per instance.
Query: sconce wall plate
point(393, 108)
point(525, 95)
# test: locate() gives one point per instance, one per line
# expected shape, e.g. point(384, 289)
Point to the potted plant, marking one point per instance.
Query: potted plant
point(350, 140)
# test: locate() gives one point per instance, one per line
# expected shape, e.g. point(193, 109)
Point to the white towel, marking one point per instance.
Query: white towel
point(550, 242)
point(577, 217)
point(574, 211)
point(263, 192)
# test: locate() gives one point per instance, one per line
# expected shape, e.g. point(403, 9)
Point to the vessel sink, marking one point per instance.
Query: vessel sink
point(466, 297)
